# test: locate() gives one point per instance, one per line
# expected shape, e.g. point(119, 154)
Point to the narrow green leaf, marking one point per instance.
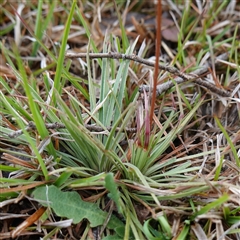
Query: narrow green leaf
point(184, 232)
point(218, 170)
point(62, 179)
point(210, 206)
point(38, 27)
point(105, 115)
point(42, 23)
point(85, 25)
point(8, 168)
point(125, 42)
point(165, 225)
point(92, 92)
point(148, 231)
point(234, 151)
point(114, 194)
point(57, 78)
point(26, 134)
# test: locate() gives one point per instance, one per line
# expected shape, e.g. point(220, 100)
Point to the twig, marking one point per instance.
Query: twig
point(194, 76)
point(108, 218)
point(182, 77)
point(56, 125)
point(95, 128)
point(32, 126)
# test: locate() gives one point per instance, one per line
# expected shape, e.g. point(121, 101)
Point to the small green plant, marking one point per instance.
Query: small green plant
point(84, 147)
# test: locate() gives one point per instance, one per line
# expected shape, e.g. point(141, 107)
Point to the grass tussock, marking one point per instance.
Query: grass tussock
point(82, 156)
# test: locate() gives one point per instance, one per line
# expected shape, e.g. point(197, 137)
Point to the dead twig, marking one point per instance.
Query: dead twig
point(31, 126)
point(194, 76)
point(56, 125)
point(182, 77)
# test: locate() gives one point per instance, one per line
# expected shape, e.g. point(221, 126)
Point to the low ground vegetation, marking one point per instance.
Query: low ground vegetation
point(81, 154)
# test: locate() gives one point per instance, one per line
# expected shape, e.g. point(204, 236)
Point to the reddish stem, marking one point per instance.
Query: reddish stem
point(158, 47)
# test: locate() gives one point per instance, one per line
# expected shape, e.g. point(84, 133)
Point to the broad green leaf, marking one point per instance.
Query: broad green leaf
point(70, 205)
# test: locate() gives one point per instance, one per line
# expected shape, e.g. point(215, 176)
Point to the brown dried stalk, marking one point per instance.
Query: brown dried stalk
point(194, 76)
